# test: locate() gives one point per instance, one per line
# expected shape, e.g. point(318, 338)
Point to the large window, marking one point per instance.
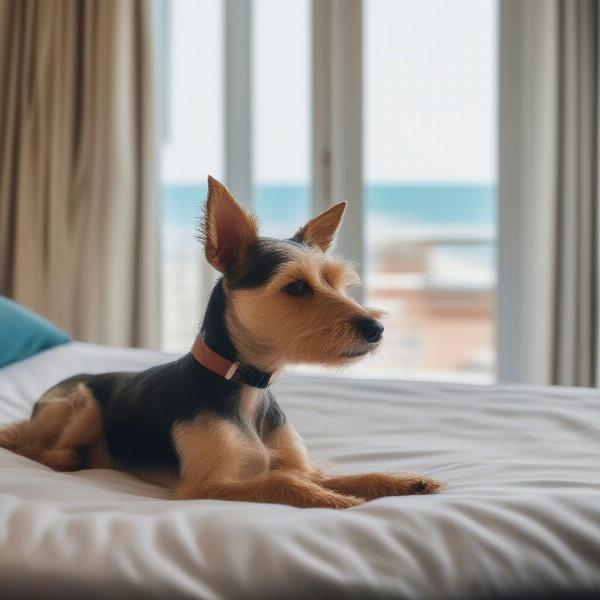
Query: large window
point(425, 231)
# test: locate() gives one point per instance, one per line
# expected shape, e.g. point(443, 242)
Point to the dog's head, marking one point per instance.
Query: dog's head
point(286, 300)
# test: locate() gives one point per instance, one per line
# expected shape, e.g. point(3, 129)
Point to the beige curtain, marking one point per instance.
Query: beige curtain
point(78, 207)
point(548, 191)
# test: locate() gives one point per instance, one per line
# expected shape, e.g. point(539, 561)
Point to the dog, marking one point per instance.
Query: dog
point(208, 425)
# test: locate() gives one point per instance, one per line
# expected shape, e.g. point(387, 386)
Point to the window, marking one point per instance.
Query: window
point(429, 194)
point(425, 234)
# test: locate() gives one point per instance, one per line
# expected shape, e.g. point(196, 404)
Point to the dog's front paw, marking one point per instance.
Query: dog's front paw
point(377, 485)
point(426, 485)
point(401, 484)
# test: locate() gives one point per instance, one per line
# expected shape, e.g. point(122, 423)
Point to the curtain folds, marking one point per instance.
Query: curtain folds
point(548, 191)
point(78, 206)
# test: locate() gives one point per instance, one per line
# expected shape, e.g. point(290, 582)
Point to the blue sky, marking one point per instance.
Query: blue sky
point(430, 88)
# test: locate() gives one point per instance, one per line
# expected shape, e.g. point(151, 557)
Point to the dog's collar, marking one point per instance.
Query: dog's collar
point(226, 368)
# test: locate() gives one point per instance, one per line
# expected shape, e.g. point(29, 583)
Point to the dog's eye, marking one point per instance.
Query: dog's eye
point(297, 288)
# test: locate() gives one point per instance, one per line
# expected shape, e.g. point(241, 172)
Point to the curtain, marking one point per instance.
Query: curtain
point(78, 208)
point(548, 191)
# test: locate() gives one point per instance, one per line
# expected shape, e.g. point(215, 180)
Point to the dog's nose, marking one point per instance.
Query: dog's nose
point(370, 329)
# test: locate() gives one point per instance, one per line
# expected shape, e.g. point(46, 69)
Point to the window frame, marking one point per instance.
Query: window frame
point(337, 112)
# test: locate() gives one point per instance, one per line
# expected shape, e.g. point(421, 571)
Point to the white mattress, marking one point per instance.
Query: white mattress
point(521, 511)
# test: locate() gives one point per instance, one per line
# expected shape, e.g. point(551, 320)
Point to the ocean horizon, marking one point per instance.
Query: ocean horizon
point(405, 204)
point(459, 219)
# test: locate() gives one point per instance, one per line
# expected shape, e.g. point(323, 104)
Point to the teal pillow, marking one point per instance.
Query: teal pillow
point(24, 333)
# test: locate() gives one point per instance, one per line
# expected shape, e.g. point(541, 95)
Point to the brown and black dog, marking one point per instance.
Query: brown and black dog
point(207, 425)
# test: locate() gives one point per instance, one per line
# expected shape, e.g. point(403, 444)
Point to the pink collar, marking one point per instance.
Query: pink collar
point(212, 361)
point(226, 368)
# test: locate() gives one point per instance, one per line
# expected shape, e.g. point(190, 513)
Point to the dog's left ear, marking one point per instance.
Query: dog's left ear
point(321, 230)
point(228, 230)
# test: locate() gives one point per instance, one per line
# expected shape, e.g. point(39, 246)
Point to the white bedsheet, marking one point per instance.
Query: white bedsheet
point(521, 511)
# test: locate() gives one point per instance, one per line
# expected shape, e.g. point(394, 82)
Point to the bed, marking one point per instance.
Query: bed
point(520, 515)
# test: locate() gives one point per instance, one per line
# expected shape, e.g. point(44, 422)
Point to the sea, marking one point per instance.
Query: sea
point(460, 219)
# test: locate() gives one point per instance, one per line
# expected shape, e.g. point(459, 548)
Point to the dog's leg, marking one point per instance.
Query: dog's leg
point(65, 422)
point(85, 424)
point(80, 431)
point(289, 454)
point(275, 487)
point(377, 485)
point(219, 461)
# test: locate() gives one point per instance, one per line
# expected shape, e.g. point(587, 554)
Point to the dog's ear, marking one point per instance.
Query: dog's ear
point(228, 230)
point(321, 230)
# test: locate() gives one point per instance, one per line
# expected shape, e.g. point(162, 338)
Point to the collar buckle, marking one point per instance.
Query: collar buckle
point(232, 370)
